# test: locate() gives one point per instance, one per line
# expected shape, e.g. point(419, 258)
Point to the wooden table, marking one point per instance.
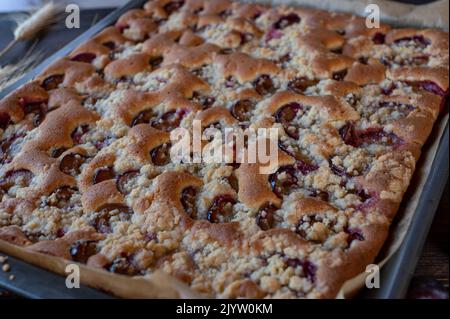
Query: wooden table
point(434, 261)
point(435, 258)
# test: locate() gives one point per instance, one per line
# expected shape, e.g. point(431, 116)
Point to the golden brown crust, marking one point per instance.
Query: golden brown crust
point(14, 235)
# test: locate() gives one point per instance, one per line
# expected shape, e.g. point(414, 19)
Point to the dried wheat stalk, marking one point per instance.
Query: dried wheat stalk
point(12, 72)
point(36, 22)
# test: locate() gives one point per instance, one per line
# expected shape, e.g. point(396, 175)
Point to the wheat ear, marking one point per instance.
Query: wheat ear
point(35, 23)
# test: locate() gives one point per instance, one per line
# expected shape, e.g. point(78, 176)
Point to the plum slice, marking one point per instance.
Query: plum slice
point(419, 41)
point(389, 89)
point(308, 268)
point(302, 164)
point(169, 120)
point(124, 265)
point(173, 6)
point(300, 84)
point(316, 193)
point(123, 179)
point(188, 201)
point(82, 250)
point(60, 198)
point(57, 152)
point(349, 135)
point(353, 234)
point(402, 108)
point(36, 107)
point(104, 174)
point(79, 133)
point(356, 138)
point(156, 62)
point(230, 82)
point(285, 115)
point(110, 45)
point(287, 21)
point(161, 155)
point(102, 221)
point(84, 57)
point(71, 163)
point(307, 222)
point(283, 181)
point(144, 117)
point(339, 75)
point(5, 120)
point(241, 110)
point(221, 209)
point(429, 86)
point(264, 85)
point(265, 217)
point(379, 38)
point(52, 82)
point(305, 167)
point(378, 135)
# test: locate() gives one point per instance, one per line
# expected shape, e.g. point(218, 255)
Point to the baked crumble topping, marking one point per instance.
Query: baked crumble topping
point(85, 161)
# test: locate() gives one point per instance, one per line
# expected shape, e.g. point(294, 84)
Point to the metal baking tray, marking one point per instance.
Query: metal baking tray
point(34, 282)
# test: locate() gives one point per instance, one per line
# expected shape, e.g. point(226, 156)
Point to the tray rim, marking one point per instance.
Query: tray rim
point(407, 254)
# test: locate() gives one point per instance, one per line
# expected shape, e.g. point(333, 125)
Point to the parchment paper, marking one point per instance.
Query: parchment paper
point(160, 285)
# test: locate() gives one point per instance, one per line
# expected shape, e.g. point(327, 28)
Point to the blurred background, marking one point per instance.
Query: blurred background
point(19, 5)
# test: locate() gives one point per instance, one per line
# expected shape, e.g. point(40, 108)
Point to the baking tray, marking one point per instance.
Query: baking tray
point(35, 282)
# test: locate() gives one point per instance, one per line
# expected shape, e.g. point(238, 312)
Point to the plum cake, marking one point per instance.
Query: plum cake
point(85, 158)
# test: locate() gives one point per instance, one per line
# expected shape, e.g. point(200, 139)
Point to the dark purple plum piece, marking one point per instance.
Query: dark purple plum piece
point(103, 174)
point(283, 186)
point(287, 21)
point(241, 110)
point(82, 250)
point(188, 201)
point(102, 221)
point(173, 6)
point(70, 164)
point(52, 82)
point(221, 206)
point(264, 85)
point(123, 179)
point(265, 217)
point(285, 115)
point(309, 269)
point(84, 57)
point(161, 155)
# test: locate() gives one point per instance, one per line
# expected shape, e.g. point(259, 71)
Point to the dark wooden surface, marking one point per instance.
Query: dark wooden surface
point(434, 262)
